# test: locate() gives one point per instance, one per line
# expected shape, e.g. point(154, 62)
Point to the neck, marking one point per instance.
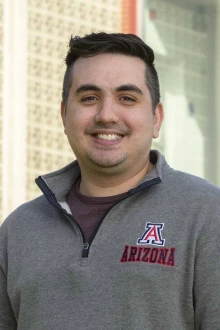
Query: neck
point(103, 186)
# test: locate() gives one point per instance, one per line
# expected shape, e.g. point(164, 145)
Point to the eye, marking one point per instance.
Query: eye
point(89, 99)
point(127, 99)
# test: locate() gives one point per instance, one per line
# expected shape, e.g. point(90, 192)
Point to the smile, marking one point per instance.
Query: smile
point(108, 136)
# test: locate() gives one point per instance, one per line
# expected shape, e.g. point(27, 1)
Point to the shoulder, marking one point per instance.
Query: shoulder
point(27, 213)
point(182, 184)
point(191, 193)
point(190, 184)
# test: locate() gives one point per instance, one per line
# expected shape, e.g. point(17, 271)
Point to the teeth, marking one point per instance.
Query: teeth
point(108, 136)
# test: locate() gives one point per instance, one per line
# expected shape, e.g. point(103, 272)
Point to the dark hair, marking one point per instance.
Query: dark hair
point(116, 43)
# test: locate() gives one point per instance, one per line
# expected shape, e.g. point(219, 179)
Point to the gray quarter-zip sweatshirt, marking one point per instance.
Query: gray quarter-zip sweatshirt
point(153, 262)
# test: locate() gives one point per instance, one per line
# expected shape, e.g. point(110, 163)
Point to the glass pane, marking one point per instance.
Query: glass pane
point(182, 35)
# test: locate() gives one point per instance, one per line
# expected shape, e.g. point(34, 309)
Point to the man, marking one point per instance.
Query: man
point(119, 240)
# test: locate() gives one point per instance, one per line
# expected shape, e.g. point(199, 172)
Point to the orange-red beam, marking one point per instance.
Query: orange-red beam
point(129, 16)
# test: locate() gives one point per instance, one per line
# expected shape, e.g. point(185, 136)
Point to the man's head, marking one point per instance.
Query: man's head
point(107, 104)
point(114, 43)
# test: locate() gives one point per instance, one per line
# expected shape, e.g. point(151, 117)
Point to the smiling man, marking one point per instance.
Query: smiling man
point(118, 240)
point(110, 122)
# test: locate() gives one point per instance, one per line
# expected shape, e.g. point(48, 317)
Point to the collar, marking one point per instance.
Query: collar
point(57, 184)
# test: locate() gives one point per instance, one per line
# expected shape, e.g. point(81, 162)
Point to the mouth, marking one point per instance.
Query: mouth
point(109, 137)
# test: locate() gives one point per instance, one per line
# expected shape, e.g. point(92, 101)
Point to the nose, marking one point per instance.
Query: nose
point(107, 112)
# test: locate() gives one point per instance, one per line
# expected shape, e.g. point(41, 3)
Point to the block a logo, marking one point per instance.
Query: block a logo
point(152, 235)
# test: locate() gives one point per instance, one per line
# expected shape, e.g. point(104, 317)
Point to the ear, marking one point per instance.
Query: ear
point(63, 115)
point(158, 119)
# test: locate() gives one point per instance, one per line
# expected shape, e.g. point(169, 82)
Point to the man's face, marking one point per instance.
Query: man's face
point(108, 119)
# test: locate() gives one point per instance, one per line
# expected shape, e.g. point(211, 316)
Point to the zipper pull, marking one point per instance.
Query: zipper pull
point(85, 250)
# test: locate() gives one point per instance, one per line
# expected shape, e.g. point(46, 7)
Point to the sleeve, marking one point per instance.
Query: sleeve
point(207, 276)
point(7, 318)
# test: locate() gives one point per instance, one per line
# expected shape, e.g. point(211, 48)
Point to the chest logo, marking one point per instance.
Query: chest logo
point(152, 235)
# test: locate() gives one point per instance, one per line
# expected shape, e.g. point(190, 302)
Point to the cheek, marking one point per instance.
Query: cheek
point(74, 121)
point(76, 127)
point(141, 123)
point(80, 116)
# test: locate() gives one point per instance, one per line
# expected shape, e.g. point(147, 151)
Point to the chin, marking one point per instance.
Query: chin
point(108, 166)
point(107, 162)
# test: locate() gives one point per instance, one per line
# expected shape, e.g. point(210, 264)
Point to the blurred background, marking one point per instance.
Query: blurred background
point(34, 34)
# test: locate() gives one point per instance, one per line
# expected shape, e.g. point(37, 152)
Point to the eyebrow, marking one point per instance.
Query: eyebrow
point(87, 87)
point(129, 87)
point(122, 88)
